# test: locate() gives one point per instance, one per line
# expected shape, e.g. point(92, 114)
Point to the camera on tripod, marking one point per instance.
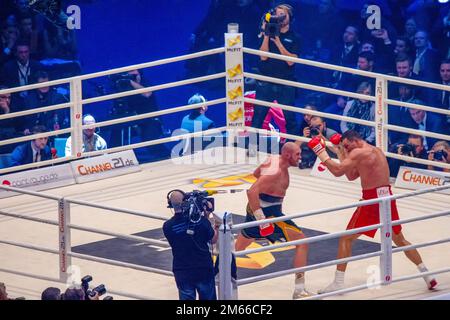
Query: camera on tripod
point(88, 293)
point(122, 81)
point(273, 23)
point(51, 10)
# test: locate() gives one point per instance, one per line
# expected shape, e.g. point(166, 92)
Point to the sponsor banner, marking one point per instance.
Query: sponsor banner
point(38, 179)
point(234, 80)
point(105, 166)
point(321, 171)
point(412, 178)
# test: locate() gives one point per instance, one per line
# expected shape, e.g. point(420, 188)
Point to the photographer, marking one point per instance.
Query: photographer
point(413, 148)
point(441, 153)
point(279, 39)
point(51, 293)
point(73, 293)
point(317, 127)
point(146, 129)
point(189, 233)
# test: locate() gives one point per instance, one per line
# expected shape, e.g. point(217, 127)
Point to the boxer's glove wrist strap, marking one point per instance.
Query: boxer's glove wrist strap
point(317, 145)
point(259, 214)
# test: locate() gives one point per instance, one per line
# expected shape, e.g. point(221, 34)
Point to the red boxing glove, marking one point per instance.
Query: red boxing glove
point(265, 229)
point(336, 139)
point(317, 145)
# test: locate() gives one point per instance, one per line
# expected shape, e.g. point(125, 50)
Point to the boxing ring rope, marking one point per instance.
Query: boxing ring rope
point(381, 100)
point(333, 67)
point(76, 102)
point(65, 252)
point(376, 284)
point(385, 253)
point(304, 139)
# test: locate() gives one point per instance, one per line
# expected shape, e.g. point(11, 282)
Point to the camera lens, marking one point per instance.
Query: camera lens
point(101, 290)
point(408, 148)
point(315, 131)
point(440, 155)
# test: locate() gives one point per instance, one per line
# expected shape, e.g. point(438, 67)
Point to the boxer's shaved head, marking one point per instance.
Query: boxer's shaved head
point(291, 153)
point(289, 147)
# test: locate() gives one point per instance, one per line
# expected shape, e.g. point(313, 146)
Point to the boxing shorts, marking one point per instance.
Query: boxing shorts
point(271, 206)
point(369, 215)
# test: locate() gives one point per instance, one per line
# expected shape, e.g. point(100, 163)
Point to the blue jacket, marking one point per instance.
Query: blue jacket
point(203, 123)
point(23, 154)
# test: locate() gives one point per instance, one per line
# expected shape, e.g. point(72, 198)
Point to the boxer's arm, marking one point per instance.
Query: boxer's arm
point(253, 195)
point(265, 164)
point(342, 155)
point(257, 172)
point(347, 166)
point(258, 187)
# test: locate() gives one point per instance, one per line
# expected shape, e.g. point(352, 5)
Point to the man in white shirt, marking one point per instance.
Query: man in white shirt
point(91, 140)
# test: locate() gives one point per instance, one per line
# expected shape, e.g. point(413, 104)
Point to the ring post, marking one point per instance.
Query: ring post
point(76, 116)
point(386, 242)
point(381, 137)
point(64, 239)
point(225, 252)
point(234, 65)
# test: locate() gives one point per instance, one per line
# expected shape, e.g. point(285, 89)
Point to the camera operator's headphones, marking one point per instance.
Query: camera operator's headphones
point(289, 10)
point(169, 203)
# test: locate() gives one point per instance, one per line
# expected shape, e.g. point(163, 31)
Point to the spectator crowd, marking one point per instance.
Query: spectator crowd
point(412, 43)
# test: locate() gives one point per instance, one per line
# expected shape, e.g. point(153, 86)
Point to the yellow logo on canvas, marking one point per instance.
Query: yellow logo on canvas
point(258, 260)
point(234, 41)
point(233, 94)
point(225, 181)
point(236, 115)
point(236, 71)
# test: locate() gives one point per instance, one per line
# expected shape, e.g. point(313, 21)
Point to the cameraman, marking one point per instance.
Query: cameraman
point(147, 129)
point(279, 39)
point(192, 262)
point(441, 153)
point(414, 147)
point(317, 127)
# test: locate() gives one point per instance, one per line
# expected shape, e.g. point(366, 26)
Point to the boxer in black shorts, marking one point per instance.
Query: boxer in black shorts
point(265, 198)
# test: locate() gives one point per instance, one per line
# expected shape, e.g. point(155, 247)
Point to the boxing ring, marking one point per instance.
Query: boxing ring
point(86, 215)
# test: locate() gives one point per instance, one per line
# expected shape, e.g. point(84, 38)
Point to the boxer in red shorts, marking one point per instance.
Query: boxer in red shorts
point(358, 159)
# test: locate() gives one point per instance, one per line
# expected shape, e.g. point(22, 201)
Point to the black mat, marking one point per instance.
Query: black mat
point(161, 258)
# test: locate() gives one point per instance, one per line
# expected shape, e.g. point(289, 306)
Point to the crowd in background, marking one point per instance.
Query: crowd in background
point(413, 43)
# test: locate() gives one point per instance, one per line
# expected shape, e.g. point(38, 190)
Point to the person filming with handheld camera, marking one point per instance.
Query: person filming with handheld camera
point(190, 234)
point(137, 104)
point(278, 38)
